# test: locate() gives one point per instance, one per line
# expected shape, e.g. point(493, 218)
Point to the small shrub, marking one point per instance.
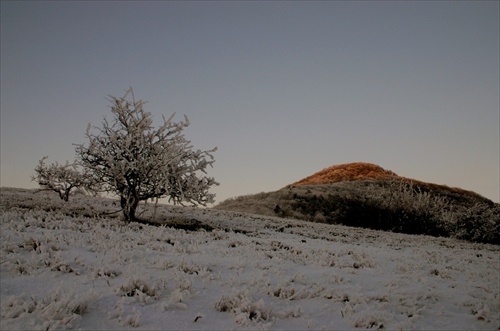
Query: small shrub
point(136, 286)
point(247, 310)
point(60, 178)
point(134, 319)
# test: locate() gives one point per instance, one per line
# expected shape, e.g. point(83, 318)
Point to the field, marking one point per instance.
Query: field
point(76, 265)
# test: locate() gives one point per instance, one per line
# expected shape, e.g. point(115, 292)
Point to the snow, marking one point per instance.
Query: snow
point(65, 271)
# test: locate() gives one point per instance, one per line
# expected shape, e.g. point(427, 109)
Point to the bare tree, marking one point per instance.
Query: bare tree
point(60, 178)
point(132, 159)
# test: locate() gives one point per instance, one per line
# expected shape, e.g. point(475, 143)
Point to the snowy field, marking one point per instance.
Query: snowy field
point(60, 269)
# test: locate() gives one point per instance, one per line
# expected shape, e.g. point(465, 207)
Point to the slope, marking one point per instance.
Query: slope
point(366, 195)
point(248, 273)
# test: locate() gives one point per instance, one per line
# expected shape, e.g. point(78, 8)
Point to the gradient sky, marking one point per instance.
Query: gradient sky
point(284, 89)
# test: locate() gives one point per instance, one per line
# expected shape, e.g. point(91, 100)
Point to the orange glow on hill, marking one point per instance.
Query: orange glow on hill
point(365, 171)
point(346, 172)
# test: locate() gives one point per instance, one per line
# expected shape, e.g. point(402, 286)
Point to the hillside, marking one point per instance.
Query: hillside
point(76, 265)
point(366, 195)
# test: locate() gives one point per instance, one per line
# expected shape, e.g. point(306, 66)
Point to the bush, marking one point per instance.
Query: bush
point(60, 178)
point(480, 223)
point(397, 206)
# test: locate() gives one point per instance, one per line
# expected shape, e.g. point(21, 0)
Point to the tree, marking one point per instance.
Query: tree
point(137, 162)
point(59, 178)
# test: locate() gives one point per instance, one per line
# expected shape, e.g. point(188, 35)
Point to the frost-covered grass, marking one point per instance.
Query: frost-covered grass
point(64, 267)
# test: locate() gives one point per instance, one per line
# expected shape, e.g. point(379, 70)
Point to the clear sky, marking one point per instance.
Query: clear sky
point(284, 89)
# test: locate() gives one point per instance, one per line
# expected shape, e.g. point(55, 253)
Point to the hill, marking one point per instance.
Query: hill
point(366, 195)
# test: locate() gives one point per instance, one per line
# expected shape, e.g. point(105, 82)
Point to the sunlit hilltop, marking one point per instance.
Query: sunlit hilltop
point(358, 171)
point(346, 172)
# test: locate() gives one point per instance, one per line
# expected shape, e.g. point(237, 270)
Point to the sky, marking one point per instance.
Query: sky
point(283, 89)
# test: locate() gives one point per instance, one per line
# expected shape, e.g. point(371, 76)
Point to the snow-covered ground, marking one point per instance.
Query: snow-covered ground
point(59, 271)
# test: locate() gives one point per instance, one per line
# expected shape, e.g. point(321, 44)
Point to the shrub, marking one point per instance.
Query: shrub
point(398, 206)
point(59, 178)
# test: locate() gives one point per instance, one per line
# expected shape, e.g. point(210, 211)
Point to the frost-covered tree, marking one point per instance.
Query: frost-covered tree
point(137, 162)
point(60, 178)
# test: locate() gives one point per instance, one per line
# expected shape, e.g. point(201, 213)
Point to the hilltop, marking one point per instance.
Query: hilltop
point(369, 171)
point(346, 172)
point(366, 195)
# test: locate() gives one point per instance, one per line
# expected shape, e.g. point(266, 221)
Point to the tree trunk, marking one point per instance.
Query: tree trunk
point(66, 194)
point(129, 206)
